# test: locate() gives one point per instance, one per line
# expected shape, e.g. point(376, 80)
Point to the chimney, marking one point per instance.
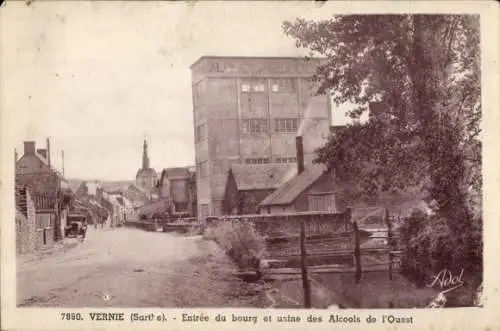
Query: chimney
point(42, 152)
point(29, 148)
point(300, 154)
point(48, 152)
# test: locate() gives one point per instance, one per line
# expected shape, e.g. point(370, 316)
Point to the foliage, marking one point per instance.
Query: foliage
point(67, 199)
point(240, 240)
point(423, 73)
point(430, 246)
point(419, 75)
point(243, 202)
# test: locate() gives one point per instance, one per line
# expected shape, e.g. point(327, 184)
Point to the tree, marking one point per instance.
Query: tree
point(425, 72)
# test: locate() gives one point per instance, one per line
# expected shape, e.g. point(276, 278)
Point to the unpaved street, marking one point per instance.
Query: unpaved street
point(133, 268)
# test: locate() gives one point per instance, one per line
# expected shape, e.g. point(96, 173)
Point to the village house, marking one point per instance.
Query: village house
point(87, 194)
point(179, 185)
point(137, 196)
point(118, 214)
point(248, 184)
point(49, 189)
point(102, 199)
point(128, 207)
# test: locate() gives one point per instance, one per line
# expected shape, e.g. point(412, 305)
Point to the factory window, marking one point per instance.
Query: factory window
point(283, 85)
point(253, 85)
point(285, 125)
point(259, 160)
point(200, 133)
point(286, 160)
point(218, 67)
point(254, 125)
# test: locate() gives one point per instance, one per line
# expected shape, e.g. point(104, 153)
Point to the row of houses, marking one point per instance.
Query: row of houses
point(116, 206)
point(45, 204)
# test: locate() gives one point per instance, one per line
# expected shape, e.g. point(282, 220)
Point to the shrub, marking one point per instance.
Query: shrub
point(240, 240)
point(430, 246)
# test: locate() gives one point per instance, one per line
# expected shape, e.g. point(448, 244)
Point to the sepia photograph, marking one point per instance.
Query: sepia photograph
point(264, 158)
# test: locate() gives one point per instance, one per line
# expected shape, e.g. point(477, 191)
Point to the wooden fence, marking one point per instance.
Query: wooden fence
point(165, 225)
point(345, 247)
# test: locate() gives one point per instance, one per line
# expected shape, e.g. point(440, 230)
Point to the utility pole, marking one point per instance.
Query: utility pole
point(48, 153)
point(62, 157)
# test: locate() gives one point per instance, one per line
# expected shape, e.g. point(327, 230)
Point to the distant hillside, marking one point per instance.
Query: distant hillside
point(107, 185)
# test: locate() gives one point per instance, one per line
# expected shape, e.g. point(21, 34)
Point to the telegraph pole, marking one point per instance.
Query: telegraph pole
point(62, 157)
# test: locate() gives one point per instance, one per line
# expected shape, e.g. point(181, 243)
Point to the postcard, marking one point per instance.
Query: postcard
point(249, 164)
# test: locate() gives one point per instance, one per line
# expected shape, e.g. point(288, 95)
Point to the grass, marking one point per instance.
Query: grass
point(240, 241)
point(211, 283)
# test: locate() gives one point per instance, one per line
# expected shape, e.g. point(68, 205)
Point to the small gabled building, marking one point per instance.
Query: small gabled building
point(179, 185)
point(249, 184)
point(311, 188)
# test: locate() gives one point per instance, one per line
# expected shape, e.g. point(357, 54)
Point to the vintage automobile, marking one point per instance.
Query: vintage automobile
point(77, 226)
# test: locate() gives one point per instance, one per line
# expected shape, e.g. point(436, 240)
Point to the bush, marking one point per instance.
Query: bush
point(430, 246)
point(240, 240)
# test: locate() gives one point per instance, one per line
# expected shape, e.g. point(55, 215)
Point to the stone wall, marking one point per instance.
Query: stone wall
point(25, 224)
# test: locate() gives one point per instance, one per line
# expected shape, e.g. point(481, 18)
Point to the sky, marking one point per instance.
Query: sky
point(99, 77)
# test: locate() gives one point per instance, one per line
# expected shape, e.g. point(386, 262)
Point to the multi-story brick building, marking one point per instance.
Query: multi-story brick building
point(248, 110)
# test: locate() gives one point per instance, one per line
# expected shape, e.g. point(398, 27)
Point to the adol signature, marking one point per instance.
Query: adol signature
point(446, 280)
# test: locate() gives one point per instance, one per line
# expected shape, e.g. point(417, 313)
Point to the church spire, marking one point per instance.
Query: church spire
point(145, 158)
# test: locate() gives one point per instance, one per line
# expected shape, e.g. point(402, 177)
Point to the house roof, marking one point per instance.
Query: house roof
point(258, 176)
point(291, 189)
point(46, 163)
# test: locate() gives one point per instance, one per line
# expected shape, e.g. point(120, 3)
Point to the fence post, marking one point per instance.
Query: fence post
point(357, 252)
point(303, 267)
point(347, 218)
point(389, 240)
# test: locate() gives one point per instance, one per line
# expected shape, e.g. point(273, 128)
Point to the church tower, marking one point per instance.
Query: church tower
point(146, 176)
point(145, 157)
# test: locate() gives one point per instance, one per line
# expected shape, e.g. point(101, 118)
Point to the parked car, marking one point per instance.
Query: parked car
point(75, 229)
point(77, 226)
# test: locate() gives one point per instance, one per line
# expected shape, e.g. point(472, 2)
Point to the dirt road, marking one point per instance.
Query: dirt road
point(133, 268)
